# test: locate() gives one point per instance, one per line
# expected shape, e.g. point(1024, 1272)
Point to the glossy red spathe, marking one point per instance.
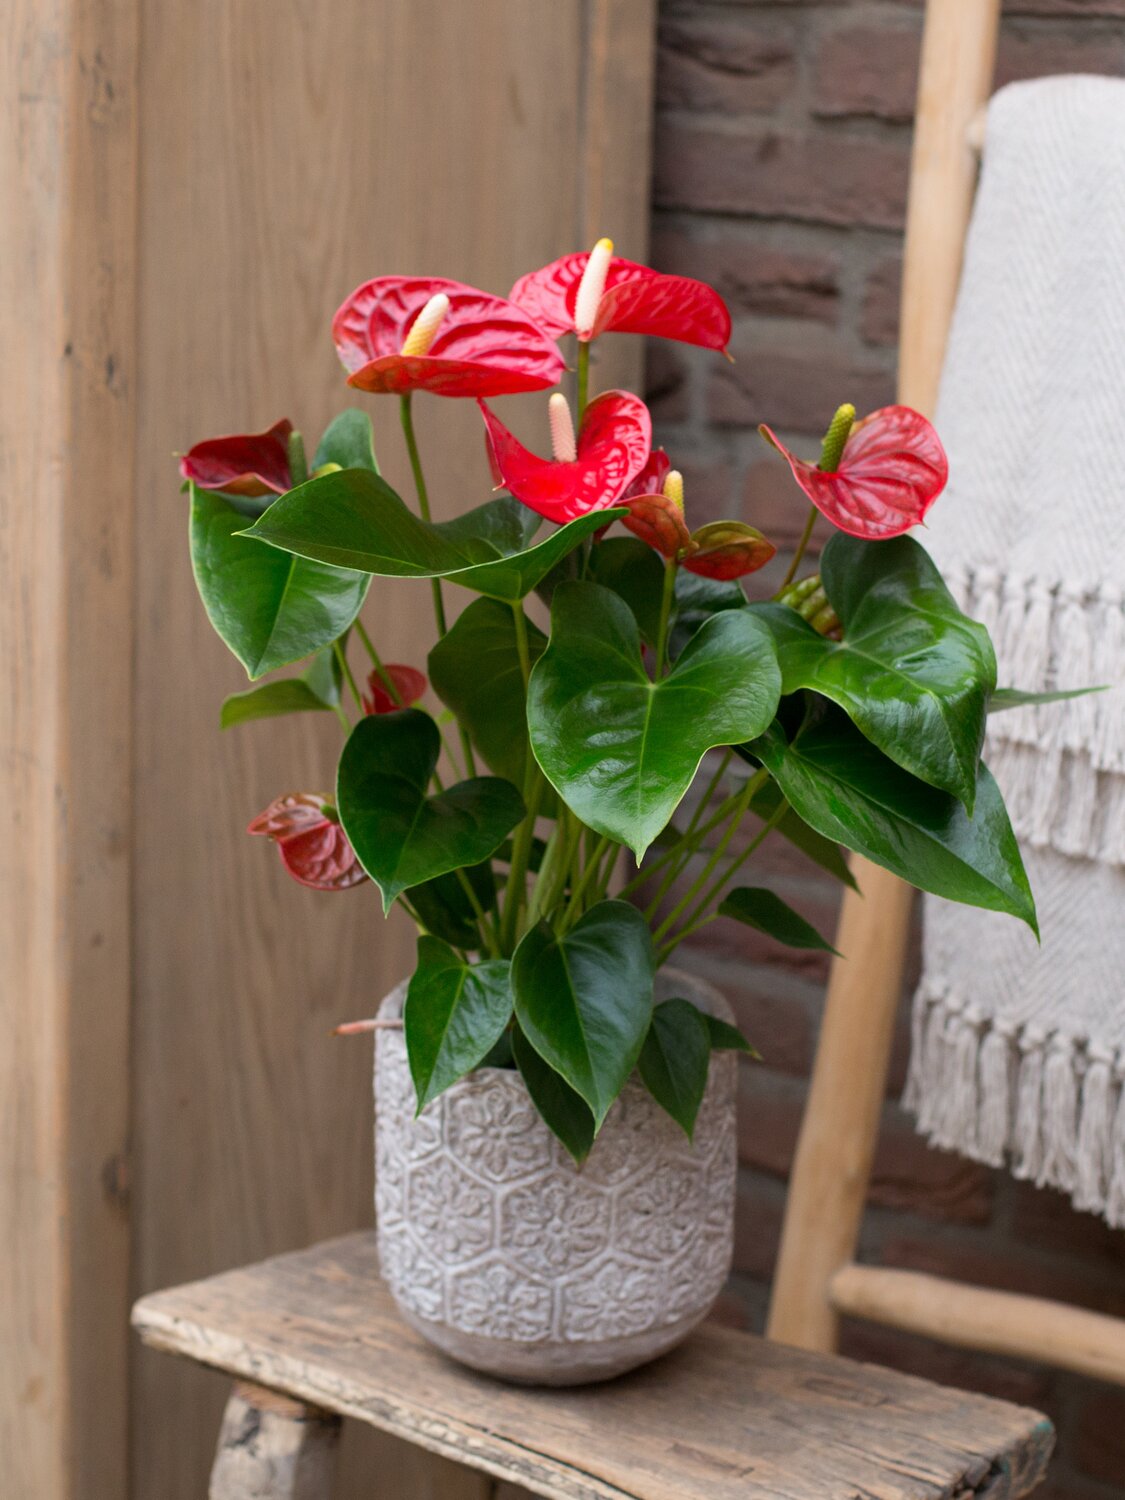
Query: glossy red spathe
point(613, 446)
point(409, 682)
point(891, 471)
point(250, 463)
point(313, 847)
point(484, 346)
point(636, 300)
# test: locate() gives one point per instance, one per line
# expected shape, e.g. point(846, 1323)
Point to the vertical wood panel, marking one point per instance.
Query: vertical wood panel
point(67, 233)
point(289, 150)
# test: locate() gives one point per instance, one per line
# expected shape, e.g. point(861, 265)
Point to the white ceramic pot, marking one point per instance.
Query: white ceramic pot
point(514, 1261)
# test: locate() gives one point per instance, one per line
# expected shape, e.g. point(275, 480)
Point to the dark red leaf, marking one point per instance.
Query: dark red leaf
point(485, 346)
point(659, 522)
point(891, 471)
point(411, 684)
point(251, 463)
point(728, 549)
point(613, 447)
point(636, 300)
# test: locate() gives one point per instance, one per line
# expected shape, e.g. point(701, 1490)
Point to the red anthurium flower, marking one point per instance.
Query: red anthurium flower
point(252, 463)
point(891, 471)
point(650, 481)
point(313, 846)
point(423, 333)
point(728, 549)
point(411, 684)
point(659, 522)
point(595, 293)
point(587, 474)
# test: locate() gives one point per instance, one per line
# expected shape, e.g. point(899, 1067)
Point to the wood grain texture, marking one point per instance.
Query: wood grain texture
point(290, 150)
point(828, 1185)
point(271, 1448)
point(725, 1417)
point(67, 294)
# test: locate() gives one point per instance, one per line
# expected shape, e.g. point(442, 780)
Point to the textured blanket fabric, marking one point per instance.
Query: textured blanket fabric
point(1019, 1051)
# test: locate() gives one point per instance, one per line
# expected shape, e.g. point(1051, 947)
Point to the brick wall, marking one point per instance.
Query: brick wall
point(781, 159)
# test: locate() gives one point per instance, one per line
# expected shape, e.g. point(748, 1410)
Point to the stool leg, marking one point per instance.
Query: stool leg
point(272, 1448)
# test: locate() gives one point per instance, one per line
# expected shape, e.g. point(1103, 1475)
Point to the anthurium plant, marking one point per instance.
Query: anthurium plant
point(505, 790)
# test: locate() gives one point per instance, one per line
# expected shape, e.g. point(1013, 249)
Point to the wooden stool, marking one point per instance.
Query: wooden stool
point(314, 1336)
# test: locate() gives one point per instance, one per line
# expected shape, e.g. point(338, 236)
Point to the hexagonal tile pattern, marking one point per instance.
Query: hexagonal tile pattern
point(491, 1238)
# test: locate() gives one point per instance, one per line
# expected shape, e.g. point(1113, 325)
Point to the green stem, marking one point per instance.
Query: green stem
point(555, 855)
point(806, 536)
point(423, 497)
point(583, 377)
point(342, 658)
point(486, 932)
point(742, 802)
point(384, 676)
point(676, 866)
point(298, 464)
point(345, 722)
point(697, 918)
point(574, 907)
point(515, 892)
point(665, 615)
point(642, 877)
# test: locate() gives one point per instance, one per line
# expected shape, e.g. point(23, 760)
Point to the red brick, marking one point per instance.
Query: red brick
point(709, 493)
point(795, 387)
point(753, 277)
point(1045, 1218)
point(1099, 1439)
point(879, 319)
point(1078, 9)
point(868, 70)
point(757, 1228)
point(729, 1312)
point(722, 63)
point(1000, 1263)
point(771, 500)
point(908, 1174)
point(666, 382)
point(964, 1368)
point(835, 179)
point(773, 1010)
point(873, 70)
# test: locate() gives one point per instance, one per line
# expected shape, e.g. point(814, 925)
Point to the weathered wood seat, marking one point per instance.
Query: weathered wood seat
point(725, 1417)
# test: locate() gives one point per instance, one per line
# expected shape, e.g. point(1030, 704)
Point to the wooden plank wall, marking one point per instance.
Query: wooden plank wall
point(186, 192)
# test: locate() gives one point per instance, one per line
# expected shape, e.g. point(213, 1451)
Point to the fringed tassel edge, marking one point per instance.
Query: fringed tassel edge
point(1049, 1105)
point(1061, 766)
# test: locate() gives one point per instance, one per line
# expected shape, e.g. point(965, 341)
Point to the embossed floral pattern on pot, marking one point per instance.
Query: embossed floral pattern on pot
point(504, 1254)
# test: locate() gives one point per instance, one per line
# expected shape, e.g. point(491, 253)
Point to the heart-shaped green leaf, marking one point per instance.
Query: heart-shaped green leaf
point(756, 907)
point(912, 672)
point(475, 670)
point(564, 1112)
point(1004, 698)
point(445, 907)
point(454, 1015)
point(584, 1000)
point(270, 609)
point(853, 794)
point(620, 749)
point(400, 835)
point(633, 571)
point(675, 1059)
point(316, 690)
point(349, 442)
point(353, 519)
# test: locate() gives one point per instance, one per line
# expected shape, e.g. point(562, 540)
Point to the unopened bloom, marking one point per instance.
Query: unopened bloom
point(313, 847)
point(409, 683)
point(248, 464)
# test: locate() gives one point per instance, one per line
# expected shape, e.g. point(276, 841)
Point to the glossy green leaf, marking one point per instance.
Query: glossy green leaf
point(675, 1059)
point(696, 599)
point(348, 441)
point(564, 1112)
point(756, 907)
point(620, 749)
point(401, 836)
point(475, 670)
point(1004, 698)
point(270, 608)
point(584, 1000)
point(271, 700)
point(446, 910)
point(727, 1038)
point(912, 672)
point(853, 794)
point(353, 519)
point(454, 1015)
point(635, 573)
point(823, 852)
point(317, 690)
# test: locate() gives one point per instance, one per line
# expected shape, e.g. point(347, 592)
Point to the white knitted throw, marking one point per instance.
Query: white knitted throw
point(1019, 1052)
